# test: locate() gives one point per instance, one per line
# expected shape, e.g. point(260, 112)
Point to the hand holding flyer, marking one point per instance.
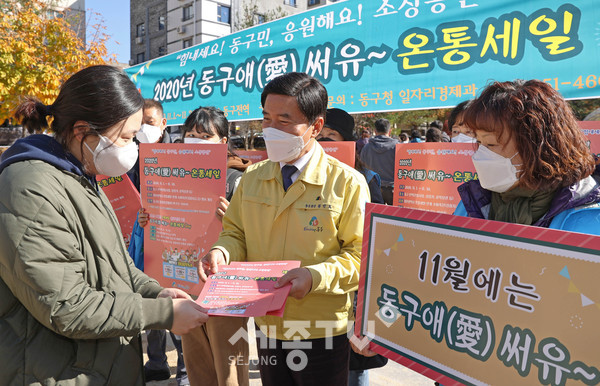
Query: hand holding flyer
point(247, 289)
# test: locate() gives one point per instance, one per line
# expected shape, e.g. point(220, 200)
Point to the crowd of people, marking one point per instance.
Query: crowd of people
point(76, 300)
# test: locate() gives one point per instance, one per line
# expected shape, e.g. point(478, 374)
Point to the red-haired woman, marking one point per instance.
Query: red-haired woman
point(533, 163)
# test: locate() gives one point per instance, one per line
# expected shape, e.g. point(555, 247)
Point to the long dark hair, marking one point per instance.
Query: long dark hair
point(210, 120)
point(100, 95)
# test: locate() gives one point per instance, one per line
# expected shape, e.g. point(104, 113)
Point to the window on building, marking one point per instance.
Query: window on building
point(290, 2)
point(223, 13)
point(259, 19)
point(187, 43)
point(162, 50)
point(187, 13)
point(314, 2)
point(140, 30)
point(140, 57)
point(161, 23)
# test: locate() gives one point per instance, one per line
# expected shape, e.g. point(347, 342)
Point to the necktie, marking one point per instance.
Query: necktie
point(286, 173)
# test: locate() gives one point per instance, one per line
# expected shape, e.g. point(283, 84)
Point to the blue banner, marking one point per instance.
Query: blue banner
point(386, 55)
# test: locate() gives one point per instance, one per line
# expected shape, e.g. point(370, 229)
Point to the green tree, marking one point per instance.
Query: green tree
point(39, 50)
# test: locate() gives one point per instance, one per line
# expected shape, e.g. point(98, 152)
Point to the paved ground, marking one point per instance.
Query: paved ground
point(390, 374)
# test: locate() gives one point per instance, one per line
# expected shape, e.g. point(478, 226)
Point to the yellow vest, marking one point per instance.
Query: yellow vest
point(318, 221)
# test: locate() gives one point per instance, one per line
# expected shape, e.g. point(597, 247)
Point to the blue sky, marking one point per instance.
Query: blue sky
point(115, 15)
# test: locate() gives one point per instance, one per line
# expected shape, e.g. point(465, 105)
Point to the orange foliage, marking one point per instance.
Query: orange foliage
point(39, 50)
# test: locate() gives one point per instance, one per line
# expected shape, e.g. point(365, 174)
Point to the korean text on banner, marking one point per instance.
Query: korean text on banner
point(247, 289)
point(476, 302)
point(180, 186)
point(427, 174)
point(342, 151)
point(385, 55)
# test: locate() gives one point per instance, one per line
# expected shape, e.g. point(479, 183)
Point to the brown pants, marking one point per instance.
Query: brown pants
point(211, 359)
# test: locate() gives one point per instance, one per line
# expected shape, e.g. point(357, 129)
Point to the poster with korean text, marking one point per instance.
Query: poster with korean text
point(427, 174)
point(125, 201)
point(475, 302)
point(343, 151)
point(591, 129)
point(253, 155)
point(180, 186)
point(385, 55)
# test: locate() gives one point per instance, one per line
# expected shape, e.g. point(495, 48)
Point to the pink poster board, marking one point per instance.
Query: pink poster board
point(253, 155)
point(180, 186)
point(125, 201)
point(343, 151)
point(247, 289)
point(427, 174)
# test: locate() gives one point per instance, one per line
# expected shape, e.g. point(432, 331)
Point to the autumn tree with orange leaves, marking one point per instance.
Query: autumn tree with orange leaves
point(39, 50)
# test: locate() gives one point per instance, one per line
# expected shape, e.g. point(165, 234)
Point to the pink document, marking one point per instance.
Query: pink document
point(247, 289)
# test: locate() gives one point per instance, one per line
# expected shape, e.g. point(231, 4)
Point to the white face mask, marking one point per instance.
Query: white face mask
point(149, 134)
point(112, 160)
point(282, 146)
point(496, 173)
point(198, 141)
point(463, 138)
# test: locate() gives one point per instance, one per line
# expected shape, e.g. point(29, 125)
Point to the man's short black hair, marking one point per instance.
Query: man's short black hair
point(151, 103)
point(310, 94)
point(382, 126)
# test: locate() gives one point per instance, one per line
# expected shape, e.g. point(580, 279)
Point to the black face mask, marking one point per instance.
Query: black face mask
point(325, 139)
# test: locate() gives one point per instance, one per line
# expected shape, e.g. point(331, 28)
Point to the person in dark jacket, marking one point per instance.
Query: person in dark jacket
point(339, 126)
point(379, 155)
point(73, 304)
point(533, 163)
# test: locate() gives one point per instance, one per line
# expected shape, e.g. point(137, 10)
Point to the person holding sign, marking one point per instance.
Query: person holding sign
point(73, 304)
point(303, 205)
point(533, 163)
point(339, 126)
point(212, 358)
point(156, 368)
point(460, 132)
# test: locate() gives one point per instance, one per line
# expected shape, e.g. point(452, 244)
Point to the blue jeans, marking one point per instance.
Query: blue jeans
point(358, 378)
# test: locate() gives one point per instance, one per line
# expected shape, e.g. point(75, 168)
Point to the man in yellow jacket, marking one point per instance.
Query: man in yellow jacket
point(300, 204)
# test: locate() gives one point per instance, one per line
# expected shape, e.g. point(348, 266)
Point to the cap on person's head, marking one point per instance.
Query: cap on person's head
point(342, 122)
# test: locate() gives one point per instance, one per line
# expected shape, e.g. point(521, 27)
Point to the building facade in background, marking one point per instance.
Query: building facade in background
point(74, 12)
point(162, 27)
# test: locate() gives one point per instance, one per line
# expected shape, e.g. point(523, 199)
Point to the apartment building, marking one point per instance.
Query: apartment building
point(74, 11)
point(162, 27)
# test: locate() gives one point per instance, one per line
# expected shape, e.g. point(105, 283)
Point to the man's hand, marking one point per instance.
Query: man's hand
point(210, 263)
point(364, 351)
point(174, 293)
point(223, 205)
point(301, 281)
point(143, 217)
point(187, 315)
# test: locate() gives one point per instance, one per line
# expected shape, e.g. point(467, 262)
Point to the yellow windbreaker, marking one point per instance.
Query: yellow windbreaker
point(318, 221)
